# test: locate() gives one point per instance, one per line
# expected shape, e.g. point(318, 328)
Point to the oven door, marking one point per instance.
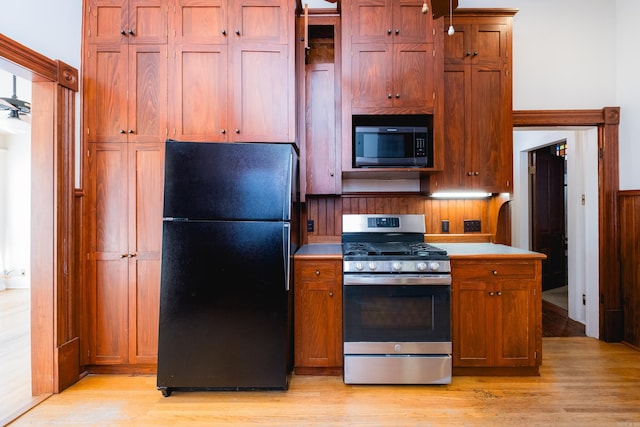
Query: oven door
point(397, 314)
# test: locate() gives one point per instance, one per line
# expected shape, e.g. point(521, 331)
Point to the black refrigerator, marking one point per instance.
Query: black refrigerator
point(230, 228)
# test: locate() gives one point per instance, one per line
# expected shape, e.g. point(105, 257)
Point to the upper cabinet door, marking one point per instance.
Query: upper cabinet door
point(263, 21)
point(127, 21)
point(390, 21)
point(198, 21)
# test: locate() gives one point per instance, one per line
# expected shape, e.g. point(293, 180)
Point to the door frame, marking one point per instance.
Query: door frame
point(55, 362)
point(607, 121)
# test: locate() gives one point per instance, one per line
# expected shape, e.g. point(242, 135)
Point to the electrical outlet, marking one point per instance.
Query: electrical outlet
point(444, 224)
point(310, 226)
point(472, 226)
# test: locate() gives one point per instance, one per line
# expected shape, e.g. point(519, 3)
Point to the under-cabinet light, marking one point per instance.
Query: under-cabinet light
point(461, 195)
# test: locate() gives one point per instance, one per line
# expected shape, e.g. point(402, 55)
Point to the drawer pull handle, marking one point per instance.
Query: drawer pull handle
point(330, 293)
point(317, 272)
point(495, 272)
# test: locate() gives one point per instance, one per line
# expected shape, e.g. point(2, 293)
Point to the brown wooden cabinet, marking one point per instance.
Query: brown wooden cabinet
point(496, 316)
point(126, 21)
point(125, 96)
point(232, 71)
point(478, 103)
point(124, 219)
point(319, 97)
point(318, 316)
point(392, 76)
point(392, 57)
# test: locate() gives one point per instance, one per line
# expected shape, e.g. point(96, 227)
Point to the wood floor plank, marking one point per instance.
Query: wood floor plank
point(583, 382)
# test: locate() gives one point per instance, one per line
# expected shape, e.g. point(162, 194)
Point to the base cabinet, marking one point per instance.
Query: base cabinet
point(496, 316)
point(318, 317)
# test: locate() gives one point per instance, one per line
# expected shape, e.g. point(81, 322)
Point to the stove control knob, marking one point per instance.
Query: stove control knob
point(434, 266)
point(396, 266)
point(359, 266)
point(372, 266)
point(421, 266)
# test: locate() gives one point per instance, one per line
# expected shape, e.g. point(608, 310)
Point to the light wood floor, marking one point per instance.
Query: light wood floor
point(583, 382)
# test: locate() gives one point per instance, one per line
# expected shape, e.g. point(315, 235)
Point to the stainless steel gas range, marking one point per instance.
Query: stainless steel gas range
point(396, 302)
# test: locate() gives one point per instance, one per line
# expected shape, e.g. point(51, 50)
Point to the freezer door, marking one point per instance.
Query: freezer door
point(224, 306)
point(233, 181)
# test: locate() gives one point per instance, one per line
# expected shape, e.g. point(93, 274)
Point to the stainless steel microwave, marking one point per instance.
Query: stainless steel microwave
point(375, 146)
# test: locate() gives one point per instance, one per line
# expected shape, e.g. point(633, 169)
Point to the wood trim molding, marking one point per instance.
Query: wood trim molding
point(607, 121)
point(31, 65)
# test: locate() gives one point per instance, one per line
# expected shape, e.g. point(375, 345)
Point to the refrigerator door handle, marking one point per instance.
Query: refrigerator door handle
point(289, 190)
point(286, 248)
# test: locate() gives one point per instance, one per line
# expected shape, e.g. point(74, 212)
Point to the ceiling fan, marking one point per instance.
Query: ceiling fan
point(18, 109)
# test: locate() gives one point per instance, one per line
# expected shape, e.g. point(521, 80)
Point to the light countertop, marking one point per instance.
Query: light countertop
point(454, 250)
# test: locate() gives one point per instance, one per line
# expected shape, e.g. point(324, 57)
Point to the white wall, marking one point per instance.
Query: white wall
point(15, 208)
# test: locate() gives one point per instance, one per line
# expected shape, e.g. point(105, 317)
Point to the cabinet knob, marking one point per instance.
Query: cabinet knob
point(237, 32)
point(131, 33)
point(223, 131)
point(495, 272)
point(317, 272)
point(330, 293)
point(397, 95)
point(498, 293)
point(130, 130)
point(123, 32)
point(237, 130)
point(389, 96)
point(475, 53)
point(491, 293)
point(397, 31)
point(467, 53)
point(331, 173)
point(469, 173)
point(124, 255)
point(122, 131)
point(389, 31)
point(224, 32)
point(476, 173)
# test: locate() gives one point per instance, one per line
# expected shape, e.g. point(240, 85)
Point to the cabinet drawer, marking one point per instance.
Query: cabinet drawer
point(318, 271)
point(518, 269)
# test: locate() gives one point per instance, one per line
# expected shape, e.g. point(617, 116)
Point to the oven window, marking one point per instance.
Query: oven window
point(381, 313)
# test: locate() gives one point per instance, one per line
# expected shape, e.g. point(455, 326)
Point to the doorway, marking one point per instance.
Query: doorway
point(581, 227)
point(548, 200)
point(15, 249)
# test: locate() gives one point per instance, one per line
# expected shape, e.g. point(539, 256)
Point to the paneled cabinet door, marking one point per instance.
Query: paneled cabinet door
point(393, 76)
point(126, 93)
point(261, 21)
point(262, 93)
point(124, 199)
point(322, 171)
point(318, 315)
point(391, 21)
point(126, 21)
point(199, 92)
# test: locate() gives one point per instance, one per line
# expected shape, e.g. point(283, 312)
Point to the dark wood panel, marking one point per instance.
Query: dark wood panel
point(629, 205)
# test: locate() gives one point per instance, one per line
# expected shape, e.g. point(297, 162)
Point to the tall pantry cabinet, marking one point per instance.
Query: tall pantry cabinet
point(125, 112)
point(199, 70)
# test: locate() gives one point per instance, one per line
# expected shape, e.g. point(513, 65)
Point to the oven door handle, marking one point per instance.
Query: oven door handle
point(397, 279)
